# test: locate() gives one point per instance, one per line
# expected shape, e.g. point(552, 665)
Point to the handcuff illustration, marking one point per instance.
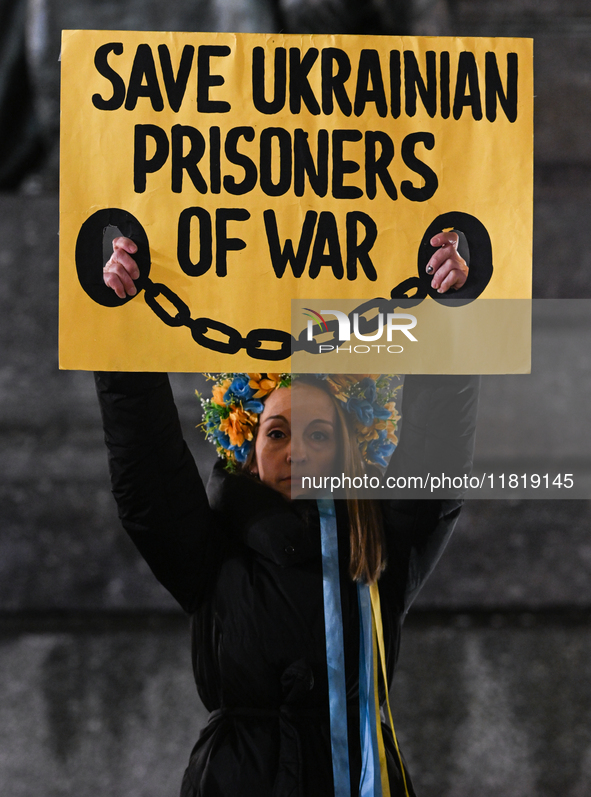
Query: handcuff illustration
point(474, 246)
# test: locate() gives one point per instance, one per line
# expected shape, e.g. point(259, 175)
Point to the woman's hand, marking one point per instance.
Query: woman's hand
point(121, 269)
point(449, 269)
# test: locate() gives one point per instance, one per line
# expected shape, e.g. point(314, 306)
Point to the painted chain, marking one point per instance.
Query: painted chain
point(256, 338)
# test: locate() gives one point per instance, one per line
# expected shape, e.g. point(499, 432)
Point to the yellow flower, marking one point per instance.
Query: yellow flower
point(365, 433)
point(263, 386)
point(238, 426)
point(338, 384)
point(219, 391)
point(391, 435)
point(391, 405)
point(391, 425)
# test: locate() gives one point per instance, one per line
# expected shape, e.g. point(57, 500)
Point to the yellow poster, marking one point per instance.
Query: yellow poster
point(252, 170)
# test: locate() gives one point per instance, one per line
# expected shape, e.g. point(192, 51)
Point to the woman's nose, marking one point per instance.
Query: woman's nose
point(296, 452)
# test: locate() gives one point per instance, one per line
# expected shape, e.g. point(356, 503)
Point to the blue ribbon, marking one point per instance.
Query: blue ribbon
point(371, 781)
point(335, 649)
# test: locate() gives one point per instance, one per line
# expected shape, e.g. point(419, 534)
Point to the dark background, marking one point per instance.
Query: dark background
point(493, 693)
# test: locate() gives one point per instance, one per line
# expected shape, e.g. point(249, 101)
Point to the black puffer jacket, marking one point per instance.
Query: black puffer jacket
point(246, 564)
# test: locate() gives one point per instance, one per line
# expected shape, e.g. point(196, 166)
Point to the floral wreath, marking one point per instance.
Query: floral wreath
point(231, 415)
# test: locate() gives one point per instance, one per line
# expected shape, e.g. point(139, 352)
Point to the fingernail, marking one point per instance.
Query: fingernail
point(429, 269)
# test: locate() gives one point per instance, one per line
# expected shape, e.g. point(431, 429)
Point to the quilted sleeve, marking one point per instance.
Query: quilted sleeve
point(161, 499)
point(436, 439)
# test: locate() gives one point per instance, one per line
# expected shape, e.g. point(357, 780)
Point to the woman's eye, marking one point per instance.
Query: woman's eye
point(319, 437)
point(276, 434)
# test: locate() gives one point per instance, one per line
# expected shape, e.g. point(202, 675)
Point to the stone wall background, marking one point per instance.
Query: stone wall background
point(493, 694)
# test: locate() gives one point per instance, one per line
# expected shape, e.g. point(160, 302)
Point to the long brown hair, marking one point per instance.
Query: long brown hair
point(366, 535)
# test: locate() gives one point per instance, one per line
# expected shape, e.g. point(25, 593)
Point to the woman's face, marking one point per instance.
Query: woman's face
point(286, 451)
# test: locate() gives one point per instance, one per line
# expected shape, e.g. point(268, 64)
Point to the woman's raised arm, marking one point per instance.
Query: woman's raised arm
point(161, 499)
point(438, 426)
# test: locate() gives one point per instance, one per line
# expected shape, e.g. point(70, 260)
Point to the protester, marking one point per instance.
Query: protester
point(282, 589)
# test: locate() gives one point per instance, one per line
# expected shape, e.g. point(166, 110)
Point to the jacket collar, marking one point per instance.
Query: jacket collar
point(286, 532)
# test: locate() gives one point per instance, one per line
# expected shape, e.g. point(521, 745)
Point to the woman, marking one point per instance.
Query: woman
point(249, 565)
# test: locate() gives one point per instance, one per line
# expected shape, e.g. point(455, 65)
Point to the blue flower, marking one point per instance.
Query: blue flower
point(362, 408)
point(239, 390)
point(221, 438)
point(381, 413)
point(241, 452)
point(254, 405)
point(379, 449)
point(212, 423)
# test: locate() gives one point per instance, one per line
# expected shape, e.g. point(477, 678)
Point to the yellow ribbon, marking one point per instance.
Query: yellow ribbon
point(378, 632)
